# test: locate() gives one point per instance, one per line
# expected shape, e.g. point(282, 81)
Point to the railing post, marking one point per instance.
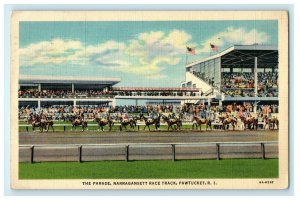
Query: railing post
point(218, 151)
point(64, 128)
point(263, 152)
point(27, 128)
point(126, 153)
point(138, 127)
point(80, 154)
point(173, 152)
point(32, 154)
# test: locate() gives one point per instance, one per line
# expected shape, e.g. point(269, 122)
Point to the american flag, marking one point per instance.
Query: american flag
point(191, 50)
point(214, 47)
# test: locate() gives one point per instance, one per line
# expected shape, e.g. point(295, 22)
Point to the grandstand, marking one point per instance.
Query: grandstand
point(240, 74)
point(40, 91)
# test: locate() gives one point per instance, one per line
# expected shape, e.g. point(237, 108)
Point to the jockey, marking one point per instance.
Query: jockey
point(77, 119)
point(245, 115)
point(125, 117)
point(35, 119)
point(217, 115)
point(43, 117)
point(226, 115)
point(172, 115)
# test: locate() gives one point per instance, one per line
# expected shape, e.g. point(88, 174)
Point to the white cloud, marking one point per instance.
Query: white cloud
point(234, 36)
point(151, 70)
point(51, 52)
point(147, 55)
point(151, 37)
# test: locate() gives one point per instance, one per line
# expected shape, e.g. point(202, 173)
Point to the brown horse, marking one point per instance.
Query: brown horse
point(151, 121)
point(172, 121)
point(199, 121)
point(274, 121)
point(42, 125)
point(251, 122)
point(227, 121)
point(130, 121)
point(103, 122)
point(49, 123)
point(78, 122)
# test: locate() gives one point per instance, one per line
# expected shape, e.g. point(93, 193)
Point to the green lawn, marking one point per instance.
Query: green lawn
point(229, 168)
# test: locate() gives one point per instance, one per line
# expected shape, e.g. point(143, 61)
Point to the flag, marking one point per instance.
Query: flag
point(214, 47)
point(191, 50)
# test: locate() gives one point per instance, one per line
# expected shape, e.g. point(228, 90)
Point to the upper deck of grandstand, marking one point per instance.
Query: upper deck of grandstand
point(244, 71)
point(243, 56)
point(32, 86)
point(33, 79)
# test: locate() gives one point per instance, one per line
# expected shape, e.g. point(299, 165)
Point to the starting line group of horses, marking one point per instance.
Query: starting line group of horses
point(173, 122)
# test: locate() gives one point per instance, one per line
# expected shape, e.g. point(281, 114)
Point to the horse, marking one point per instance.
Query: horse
point(251, 122)
point(130, 121)
point(151, 121)
point(172, 121)
point(49, 123)
point(274, 121)
point(103, 122)
point(229, 120)
point(37, 122)
point(78, 122)
point(199, 121)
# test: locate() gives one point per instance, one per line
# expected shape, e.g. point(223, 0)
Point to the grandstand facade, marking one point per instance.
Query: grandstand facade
point(40, 91)
point(239, 74)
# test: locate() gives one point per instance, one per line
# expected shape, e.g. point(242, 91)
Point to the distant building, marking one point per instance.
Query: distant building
point(43, 90)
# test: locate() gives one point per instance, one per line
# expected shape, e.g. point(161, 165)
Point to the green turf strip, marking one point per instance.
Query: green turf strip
point(114, 128)
point(229, 168)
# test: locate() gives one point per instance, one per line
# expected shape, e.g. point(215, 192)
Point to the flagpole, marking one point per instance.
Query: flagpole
point(186, 56)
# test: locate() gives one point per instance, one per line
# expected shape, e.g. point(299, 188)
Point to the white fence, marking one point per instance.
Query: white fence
point(147, 151)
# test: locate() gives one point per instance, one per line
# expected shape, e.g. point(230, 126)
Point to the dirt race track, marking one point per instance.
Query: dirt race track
point(146, 137)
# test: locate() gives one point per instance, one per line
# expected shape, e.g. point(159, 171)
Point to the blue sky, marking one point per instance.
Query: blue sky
point(150, 54)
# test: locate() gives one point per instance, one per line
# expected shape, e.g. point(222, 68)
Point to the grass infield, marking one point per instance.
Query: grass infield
point(162, 169)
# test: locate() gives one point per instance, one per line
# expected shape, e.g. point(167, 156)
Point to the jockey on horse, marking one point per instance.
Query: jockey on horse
point(36, 119)
point(43, 117)
point(172, 119)
point(77, 119)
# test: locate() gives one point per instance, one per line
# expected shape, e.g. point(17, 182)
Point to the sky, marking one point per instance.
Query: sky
point(140, 53)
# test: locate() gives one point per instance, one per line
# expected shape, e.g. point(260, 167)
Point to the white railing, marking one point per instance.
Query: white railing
point(147, 151)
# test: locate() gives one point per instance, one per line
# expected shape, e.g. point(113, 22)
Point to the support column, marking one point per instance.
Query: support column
point(220, 102)
point(113, 103)
point(74, 103)
point(255, 107)
point(39, 104)
point(39, 87)
point(208, 102)
point(136, 102)
point(72, 87)
point(255, 76)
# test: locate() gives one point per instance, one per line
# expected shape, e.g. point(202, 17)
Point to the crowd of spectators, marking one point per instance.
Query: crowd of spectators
point(60, 93)
point(187, 111)
point(242, 84)
point(153, 93)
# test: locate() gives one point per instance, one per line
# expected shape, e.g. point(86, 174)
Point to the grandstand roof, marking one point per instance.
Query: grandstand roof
point(243, 56)
point(30, 79)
